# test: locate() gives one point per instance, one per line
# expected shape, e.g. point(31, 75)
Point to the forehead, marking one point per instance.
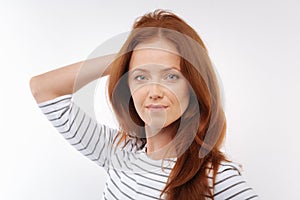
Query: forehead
point(157, 52)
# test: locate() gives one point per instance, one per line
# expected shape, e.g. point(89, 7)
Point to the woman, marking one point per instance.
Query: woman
point(165, 96)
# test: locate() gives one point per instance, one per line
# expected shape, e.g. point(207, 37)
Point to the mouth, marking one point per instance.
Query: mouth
point(156, 107)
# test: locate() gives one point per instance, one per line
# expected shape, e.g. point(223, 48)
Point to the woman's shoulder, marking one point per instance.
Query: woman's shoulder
point(231, 184)
point(230, 166)
point(225, 169)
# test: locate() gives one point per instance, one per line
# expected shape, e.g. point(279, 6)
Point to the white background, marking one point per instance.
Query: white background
point(254, 45)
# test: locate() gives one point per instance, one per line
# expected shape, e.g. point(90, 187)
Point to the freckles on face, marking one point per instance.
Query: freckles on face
point(160, 92)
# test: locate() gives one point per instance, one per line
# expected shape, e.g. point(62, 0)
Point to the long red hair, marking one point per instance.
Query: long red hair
point(201, 128)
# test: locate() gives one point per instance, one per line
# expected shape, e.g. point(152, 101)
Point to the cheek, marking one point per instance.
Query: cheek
point(182, 96)
point(138, 97)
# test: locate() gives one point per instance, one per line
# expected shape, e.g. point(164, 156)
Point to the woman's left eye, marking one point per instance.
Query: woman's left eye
point(172, 77)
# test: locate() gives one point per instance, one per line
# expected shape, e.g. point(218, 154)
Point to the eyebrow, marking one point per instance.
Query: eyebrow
point(163, 70)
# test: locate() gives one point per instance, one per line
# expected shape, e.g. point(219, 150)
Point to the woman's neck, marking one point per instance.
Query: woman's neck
point(159, 142)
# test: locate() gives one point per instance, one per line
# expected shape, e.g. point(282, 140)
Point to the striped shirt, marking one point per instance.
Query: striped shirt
point(131, 173)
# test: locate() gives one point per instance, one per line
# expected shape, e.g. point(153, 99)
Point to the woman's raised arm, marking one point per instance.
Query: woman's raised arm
point(69, 79)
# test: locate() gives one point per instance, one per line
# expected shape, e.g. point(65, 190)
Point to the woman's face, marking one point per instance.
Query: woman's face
point(160, 92)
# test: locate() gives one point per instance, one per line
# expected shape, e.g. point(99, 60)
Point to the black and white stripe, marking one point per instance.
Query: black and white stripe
point(131, 173)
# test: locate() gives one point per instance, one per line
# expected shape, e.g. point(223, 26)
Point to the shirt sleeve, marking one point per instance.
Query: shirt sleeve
point(230, 184)
point(92, 139)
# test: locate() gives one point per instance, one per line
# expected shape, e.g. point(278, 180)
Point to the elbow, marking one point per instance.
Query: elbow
point(34, 87)
point(40, 89)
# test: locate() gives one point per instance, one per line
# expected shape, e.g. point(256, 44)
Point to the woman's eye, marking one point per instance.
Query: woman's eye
point(140, 78)
point(172, 77)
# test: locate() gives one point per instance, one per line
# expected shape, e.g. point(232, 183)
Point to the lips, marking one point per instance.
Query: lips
point(156, 107)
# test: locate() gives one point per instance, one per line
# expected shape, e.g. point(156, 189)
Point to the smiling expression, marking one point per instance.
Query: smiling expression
point(160, 92)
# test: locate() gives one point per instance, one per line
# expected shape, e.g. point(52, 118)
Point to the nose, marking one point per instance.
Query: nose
point(155, 91)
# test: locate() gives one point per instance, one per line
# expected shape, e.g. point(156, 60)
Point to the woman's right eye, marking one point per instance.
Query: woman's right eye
point(140, 77)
